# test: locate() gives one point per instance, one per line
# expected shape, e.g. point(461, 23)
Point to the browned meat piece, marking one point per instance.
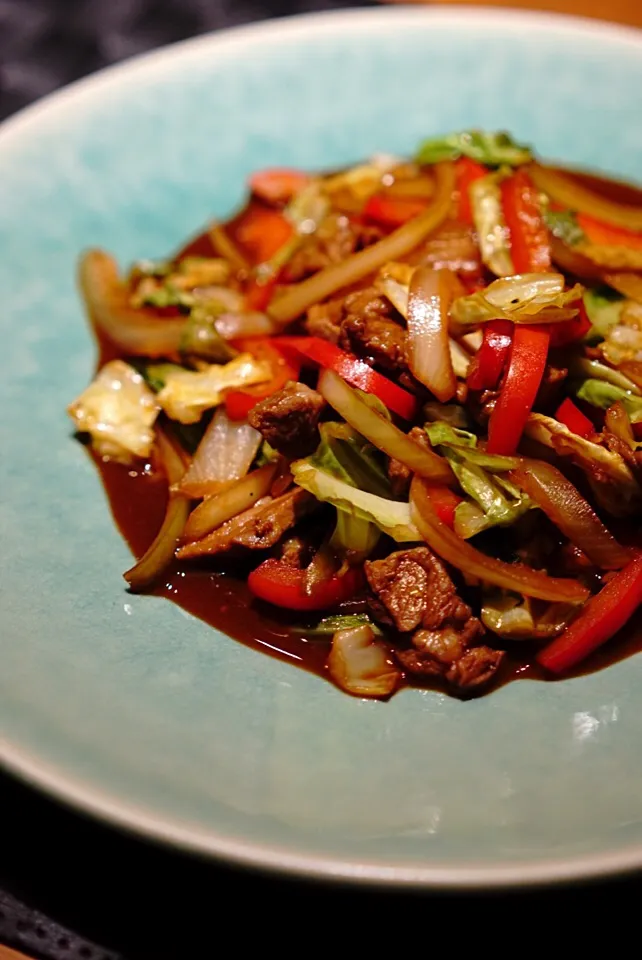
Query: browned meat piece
point(398, 473)
point(632, 458)
point(289, 419)
point(256, 529)
point(324, 320)
point(414, 591)
point(336, 239)
point(295, 552)
point(550, 390)
point(369, 331)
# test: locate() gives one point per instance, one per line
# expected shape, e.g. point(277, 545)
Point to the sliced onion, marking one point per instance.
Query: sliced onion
point(628, 284)
point(459, 358)
point(225, 247)
point(232, 326)
point(242, 495)
point(465, 557)
point(295, 300)
point(380, 431)
point(224, 454)
point(137, 332)
point(573, 262)
point(360, 665)
point(161, 552)
point(617, 422)
point(574, 196)
point(428, 345)
point(570, 512)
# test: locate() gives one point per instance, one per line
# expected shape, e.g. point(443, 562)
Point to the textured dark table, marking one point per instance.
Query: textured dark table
point(72, 889)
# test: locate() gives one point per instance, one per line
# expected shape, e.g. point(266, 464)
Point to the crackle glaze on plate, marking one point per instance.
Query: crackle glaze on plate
point(133, 710)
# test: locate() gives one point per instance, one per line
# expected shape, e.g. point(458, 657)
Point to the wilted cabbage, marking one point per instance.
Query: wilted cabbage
point(118, 410)
point(360, 665)
point(187, 394)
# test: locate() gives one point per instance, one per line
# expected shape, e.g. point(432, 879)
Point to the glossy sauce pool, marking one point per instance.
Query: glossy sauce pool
point(222, 599)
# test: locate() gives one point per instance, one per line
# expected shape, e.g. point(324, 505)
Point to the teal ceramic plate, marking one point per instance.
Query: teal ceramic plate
point(126, 706)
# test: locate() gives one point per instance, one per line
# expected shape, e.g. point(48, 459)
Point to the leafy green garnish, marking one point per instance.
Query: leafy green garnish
point(563, 225)
point(156, 374)
point(491, 149)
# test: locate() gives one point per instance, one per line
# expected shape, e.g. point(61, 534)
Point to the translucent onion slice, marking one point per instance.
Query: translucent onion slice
point(360, 665)
point(136, 331)
point(617, 422)
point(232, 326)
point(574, 196)
point(428, 342)
point(465, 557)
point(295, 300)
point(242, 495)
point(225, 454)
point(628, 284)
point(570, 512)
point(380, 431)
point(161, 552)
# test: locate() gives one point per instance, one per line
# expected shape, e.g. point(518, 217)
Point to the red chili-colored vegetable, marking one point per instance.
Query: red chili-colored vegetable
point(530, 244)
point(284, 586)
point(444, 502)
point(278, 185)
point(573, 330)
point(263, 232)
point(353, 371)
point(238, 403)
point(488, 363)
point(573, 418)
point(604, 234)
point(525, 371)
point(599, 620)
point(392, 211)
point(466, 172)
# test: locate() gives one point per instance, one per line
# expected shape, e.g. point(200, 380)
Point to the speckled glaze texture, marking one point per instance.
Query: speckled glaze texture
point(132, 709)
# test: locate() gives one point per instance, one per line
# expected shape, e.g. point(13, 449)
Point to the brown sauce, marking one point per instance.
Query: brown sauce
point(222, 599)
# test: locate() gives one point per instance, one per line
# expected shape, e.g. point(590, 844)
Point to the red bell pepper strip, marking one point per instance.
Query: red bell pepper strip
point(606, 235)
point(526, 367)
point(392, 211)
point(571, 331)
point(263, 232)
point(466, 172)
point(599, 620)
point(353, 371)
point(284, 586)
point(444, 502)
point(238, 403)
point(258, 293)
point(530, 244)
point(573, 418)
point(489, 362)
point(278, 185)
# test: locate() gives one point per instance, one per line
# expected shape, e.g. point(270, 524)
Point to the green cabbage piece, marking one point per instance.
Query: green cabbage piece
point(601, 394)
point(520, 299)
point(488, 214)
point(604, 310)
point(491, 149)
point(392, 517)
point(328, 626)
point(514, 617)
point(494, 500)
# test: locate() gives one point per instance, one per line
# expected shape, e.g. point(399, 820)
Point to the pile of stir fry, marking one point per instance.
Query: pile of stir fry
point(413, 387)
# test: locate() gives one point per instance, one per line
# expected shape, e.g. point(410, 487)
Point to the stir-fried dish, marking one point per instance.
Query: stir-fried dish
point(399, 407)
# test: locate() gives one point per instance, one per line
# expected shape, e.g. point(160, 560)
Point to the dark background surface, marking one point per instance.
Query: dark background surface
point(72, 889)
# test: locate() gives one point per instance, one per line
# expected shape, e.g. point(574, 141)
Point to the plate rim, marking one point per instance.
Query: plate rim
point(113, 810)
